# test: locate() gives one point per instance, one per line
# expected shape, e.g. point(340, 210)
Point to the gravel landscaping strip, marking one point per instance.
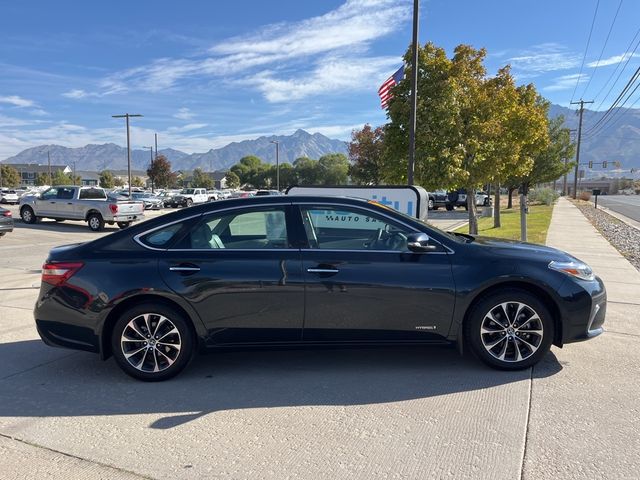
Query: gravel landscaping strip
point(623, 237)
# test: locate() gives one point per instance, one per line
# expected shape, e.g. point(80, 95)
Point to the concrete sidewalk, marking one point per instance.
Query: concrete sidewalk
point(585, 419)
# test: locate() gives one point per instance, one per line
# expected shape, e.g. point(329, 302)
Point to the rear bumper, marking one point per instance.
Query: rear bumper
point(6, 227)
point(56, 334)
point(128, 218)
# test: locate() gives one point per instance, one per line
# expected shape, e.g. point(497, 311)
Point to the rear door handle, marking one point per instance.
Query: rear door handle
point(323, 270)
point(184, 268)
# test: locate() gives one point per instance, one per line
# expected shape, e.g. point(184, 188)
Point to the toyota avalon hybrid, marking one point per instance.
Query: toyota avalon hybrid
point(285, 270)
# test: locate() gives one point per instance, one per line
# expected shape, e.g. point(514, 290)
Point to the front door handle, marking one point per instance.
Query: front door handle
point(323, 270)
point(185, 268)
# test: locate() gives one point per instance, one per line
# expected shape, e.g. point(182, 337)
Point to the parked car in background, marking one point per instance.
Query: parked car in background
point(213, 195)
point(261, 193)
point(6, 221)
point(243, 194)
point(437, 199)
point(89, 204)
point(169, 198)
point(309, 270)
point(9, 197)
point(191, 196)
point(151, 202)
point(458, 198)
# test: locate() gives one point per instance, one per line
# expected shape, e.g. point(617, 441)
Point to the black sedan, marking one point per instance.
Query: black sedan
point(6, 221)
point(284, 270)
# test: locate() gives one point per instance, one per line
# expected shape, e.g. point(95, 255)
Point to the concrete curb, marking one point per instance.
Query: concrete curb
point(629, 221)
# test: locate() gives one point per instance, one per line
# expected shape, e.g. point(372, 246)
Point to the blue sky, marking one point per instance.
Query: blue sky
point(204, 73)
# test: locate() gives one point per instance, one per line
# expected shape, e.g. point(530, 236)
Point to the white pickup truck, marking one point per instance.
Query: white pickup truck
point(89, 204)
point(191, 196)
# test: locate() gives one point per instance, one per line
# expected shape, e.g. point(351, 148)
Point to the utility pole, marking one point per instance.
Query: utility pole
point(153, 182)
point(575, 178)
point(74, 173)
point(277, 143)
point(127, 116)
point(414, 96)
point(49, 163)
point(565, 192)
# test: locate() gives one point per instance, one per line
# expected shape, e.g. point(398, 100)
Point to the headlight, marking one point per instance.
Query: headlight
point(575, 269)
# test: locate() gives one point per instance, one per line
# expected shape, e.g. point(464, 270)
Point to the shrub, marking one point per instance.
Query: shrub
point(543, 195)
point(585, 195)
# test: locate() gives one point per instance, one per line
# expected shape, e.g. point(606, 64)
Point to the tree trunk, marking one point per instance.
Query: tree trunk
point(471, 205)
point(510, 202)
point(496, 207)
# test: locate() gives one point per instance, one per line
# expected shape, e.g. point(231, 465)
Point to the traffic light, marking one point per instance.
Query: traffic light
point(604, 164)
point(590, 164)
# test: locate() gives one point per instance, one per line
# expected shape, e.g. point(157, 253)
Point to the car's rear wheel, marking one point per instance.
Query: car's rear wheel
point(431, 204)
point(509, 330)
point(95, 222)
point(449, 207)
point(27, 215)
point(123, 225)
point(152, 343)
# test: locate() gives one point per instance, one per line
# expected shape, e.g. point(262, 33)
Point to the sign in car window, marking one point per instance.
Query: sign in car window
point(343, 219)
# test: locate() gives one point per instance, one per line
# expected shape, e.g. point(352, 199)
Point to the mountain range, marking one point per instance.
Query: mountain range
point(618, 141)
point(111, 156)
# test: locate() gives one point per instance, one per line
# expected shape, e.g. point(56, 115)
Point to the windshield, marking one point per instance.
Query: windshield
point(187, 191)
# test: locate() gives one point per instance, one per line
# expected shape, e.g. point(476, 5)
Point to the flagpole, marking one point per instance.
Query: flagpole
point(414, 95)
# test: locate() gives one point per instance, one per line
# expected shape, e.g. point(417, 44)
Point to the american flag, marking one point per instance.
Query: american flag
point(385, 89)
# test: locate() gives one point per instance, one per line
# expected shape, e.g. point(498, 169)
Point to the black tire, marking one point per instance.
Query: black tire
point(430, 204)
point(59, 220)
point(449, 207)
point(144, 371)
point(95, 222)
point(124, 225)
point(189, 202)
point(515, 338)
point(27, 215)
point(486, 202)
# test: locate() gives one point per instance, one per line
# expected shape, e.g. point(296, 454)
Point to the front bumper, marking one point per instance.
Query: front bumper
point(585, 309)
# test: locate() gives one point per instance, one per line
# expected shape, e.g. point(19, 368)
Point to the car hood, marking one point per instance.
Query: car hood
point(517, 248)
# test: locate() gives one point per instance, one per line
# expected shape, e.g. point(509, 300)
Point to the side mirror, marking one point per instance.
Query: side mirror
point(419, 242)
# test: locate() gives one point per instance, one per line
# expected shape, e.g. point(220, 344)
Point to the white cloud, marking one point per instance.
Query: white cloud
point(184, 114)
point(331, 75)
point(565, 82)
point(546, 57)
point(76, 94)
point(613, 60)
point(187, 128)
point(17, 101)
point(348, 29)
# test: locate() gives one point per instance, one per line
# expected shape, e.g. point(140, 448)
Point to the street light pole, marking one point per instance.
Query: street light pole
point(277, 143)
point(126, 116)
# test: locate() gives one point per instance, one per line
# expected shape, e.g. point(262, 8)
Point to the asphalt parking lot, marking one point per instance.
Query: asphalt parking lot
point(313, 414)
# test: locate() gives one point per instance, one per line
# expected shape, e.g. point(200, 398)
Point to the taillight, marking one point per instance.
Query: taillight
point(113, 207)
point(6, 213)
point(57, 273)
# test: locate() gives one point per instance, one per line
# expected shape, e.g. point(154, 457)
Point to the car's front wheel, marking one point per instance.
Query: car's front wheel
point(152, 343)
point(509, 330)
point(27, 215)
point(431, 204)
point(95, 222)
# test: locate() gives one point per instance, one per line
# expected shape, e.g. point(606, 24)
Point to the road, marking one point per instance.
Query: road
point(305, 414)
point(627, 205)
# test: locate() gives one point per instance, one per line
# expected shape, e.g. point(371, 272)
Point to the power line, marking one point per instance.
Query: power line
point(606, 40)
point(593, 21)
point(626, 55)
point(618, 113)
point(610, 110)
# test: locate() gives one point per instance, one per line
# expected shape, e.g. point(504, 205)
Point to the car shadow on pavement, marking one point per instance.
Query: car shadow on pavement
point(67, 226)
point(79, 384)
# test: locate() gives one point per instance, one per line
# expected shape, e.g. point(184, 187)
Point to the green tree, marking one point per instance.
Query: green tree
point(118, 182)
point(201, 179)
point(367, 154)
point(288, 177)
point(106, 179)
point(42, 179)
point(137, 182)
point(307, 171)
point(232, 180)
point(333, 169)
point(471, 127)
point(61, 178)
point(161, 173)
point(247, 168)
point(9, 176)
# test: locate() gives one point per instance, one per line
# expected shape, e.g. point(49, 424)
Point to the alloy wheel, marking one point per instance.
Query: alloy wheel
point(151, 342)
point(511, 331)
